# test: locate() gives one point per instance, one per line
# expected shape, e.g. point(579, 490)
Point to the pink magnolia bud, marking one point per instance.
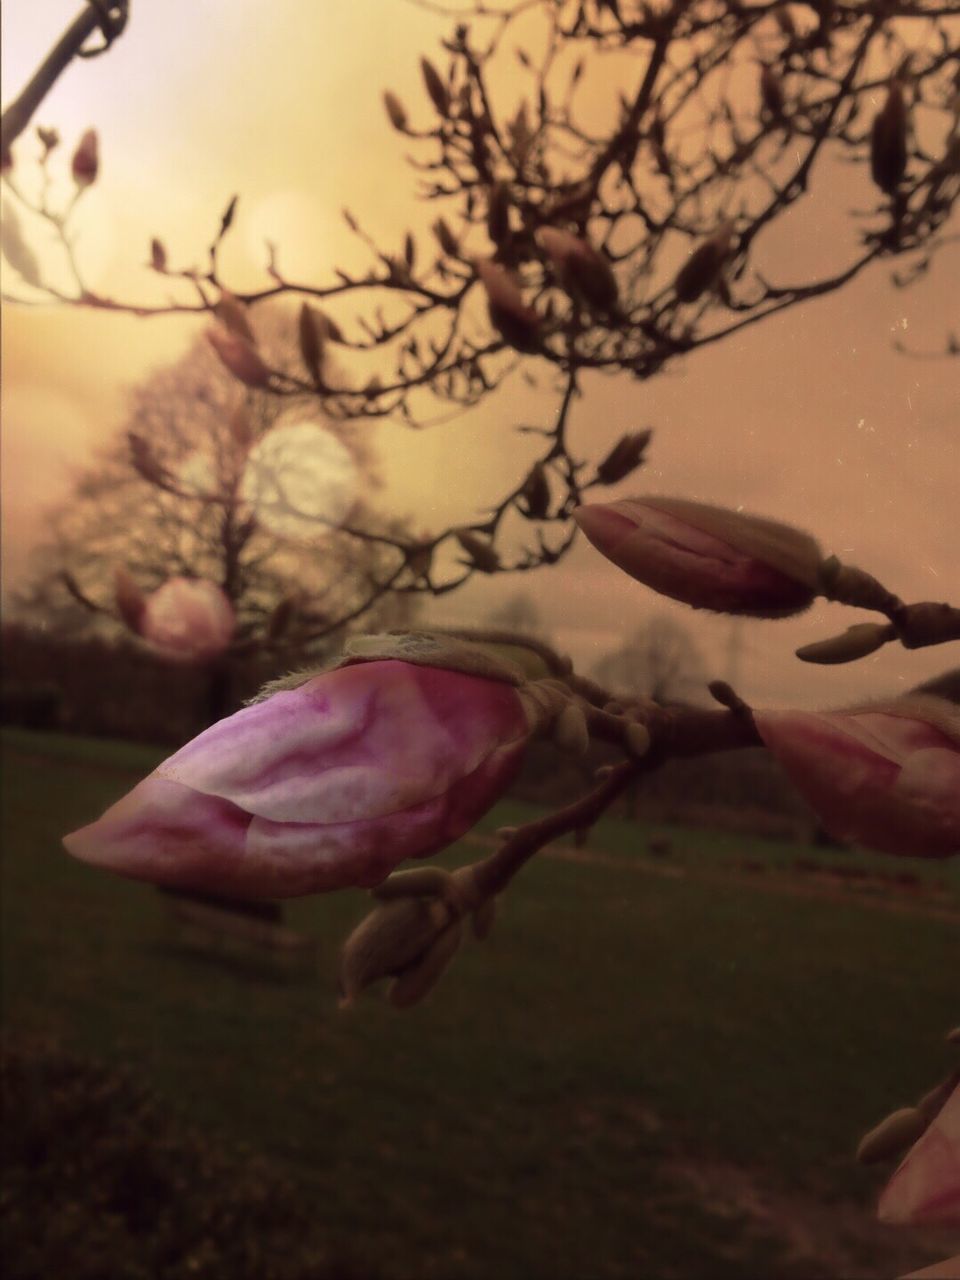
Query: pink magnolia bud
point(85, 163)
point(886, 776)
point(327, 785)
point(237, 355)
point(584, 271)
point(517, 323)
point(706, 556)
point(188, 619)
point(926, 1186)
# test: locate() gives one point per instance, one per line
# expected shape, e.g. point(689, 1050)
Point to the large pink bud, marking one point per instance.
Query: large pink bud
point(327, 785)
point(189, 619)
point(707, 556)
point(926, 1186)
point(887, 777)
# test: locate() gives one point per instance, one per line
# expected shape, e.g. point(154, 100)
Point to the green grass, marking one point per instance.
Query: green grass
point(516, 1124)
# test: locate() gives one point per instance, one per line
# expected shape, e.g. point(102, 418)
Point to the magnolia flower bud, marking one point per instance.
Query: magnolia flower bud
point(158, 255)
point(706, 556)
point(435, 87)
point(187, 619)
point(483, 555)
point(771, 92)
point(390, 939)
point(239, 357)
point(624, 458)
point(888, 141)
point(498, 213)
point(85, 163)
point(419, 979)
point(395, 110)
point(703, 267)
point(145, 462)
point(858, 641)
point(232, 314)
point(311, 343)
point(446, 238)
point(324, 784)
point(518, 324)
point(926, 1186)
point(583, 270)
point(49, 139)
point(536, 492)
point(886, 776)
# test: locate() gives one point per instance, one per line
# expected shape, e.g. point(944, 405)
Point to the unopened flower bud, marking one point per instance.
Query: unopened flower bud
point(483, 555)
point(518, 324)
point(703, 267)
point(858, 641)
point(239, 357)
point(85, 163)
point(888, 141)
point(584, 271)
point(886, 776)
point(771, 92)
point(570, 731)
point(536, 492)
point(49, 139)
point(311, 343)
point(158, 255)
point(392, 937)
point(232, 314)
point(498, 213)
point(446, 238)
point(435, 87)
point(396, 111)
point(624, 458)
point(417, 981)
point(706, 556)
point(327, 783)
point(145, 462)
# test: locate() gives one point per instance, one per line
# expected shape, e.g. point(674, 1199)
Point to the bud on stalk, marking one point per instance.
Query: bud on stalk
point(888, 141)
point(231, 313)
point(517, 324)
point(86, 163)
point(311, 343)
point(858, 641)
point(396, 111)
point(703, 266)
point(624, 458)
point(158, 255)
point(706, 556)
point(435, 87)
point(446, 239)
point(483, 555)
point(239, 357)
point(536, 492)
point(498, 213)
point(584, 271)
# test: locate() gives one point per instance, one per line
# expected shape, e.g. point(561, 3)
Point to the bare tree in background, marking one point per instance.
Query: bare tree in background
point(594, 250)
point(193, 486)
point(659, 660)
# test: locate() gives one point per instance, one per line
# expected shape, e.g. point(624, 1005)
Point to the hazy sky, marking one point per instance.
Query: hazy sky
point(812, 417)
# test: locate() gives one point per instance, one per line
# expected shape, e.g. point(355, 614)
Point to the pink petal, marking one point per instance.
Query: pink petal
point(368, 740)
point(886, 781)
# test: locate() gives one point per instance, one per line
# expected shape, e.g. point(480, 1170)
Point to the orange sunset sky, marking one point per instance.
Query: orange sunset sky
point(811, 417)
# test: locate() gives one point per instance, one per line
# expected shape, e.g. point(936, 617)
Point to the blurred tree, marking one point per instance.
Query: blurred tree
point(660, 660)
point(211, 480)
point(519, 612)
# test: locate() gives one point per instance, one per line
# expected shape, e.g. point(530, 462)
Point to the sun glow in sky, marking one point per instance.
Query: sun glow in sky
point(811, 418)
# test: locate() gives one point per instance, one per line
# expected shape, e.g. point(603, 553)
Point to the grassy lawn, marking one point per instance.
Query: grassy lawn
point(530, 1119)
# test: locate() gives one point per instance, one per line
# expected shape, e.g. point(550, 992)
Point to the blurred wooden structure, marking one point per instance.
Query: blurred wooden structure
point(243, 929)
